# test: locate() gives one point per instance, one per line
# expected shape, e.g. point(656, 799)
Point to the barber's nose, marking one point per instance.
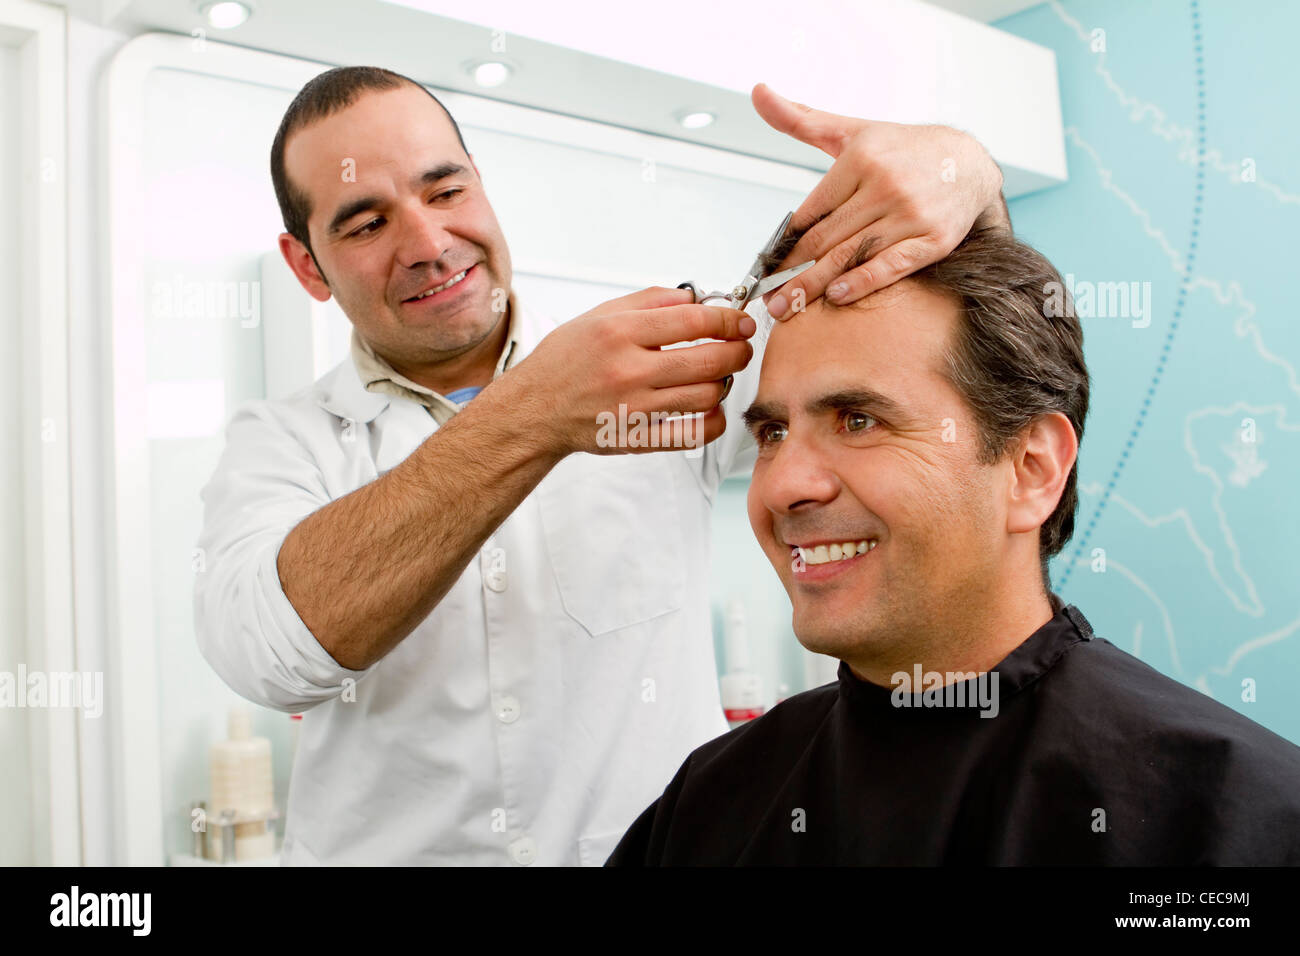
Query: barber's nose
point(796, 478)
point(423, 238)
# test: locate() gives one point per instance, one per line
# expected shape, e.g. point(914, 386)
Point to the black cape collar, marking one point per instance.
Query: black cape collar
point(1035, 656)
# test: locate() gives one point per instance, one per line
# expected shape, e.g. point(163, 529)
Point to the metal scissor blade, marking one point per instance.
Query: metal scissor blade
point(776, 280)
point(760, 264)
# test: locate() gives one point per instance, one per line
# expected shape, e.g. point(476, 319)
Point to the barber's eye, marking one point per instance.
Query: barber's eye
point(449, 193)
point(857, 421)
point(367, 228)
point(770, 432)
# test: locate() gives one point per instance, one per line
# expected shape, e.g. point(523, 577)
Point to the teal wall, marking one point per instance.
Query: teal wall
point(1181, 139)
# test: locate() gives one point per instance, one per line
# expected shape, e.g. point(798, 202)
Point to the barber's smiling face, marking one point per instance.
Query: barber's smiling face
point(415, 217)
point(850, 419)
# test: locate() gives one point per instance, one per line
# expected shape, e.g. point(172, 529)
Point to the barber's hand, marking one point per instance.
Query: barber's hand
point(897, 198)
point(611, 356)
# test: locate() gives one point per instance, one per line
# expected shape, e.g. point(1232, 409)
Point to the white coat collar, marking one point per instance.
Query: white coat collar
point(342, 394)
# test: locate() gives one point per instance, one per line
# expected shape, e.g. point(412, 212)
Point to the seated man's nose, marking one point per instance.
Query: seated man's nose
point(797, 483)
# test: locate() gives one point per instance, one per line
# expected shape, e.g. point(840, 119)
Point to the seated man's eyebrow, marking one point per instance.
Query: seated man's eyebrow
point(760, 412)
point(362, 204)
point(864, 398)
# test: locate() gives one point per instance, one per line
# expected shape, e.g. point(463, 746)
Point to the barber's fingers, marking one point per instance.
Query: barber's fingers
point(664, 430)
point(685, 431)
point(706, 362)
point(686, 323)
point(826, 131)
point(845, 256)
point(696, 430)
point(836, 207)
point(830, 224)
point(688, 399)
point(886, 267)
point(655, 297)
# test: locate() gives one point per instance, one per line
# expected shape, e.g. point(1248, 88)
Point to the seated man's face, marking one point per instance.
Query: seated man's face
point(861, 439)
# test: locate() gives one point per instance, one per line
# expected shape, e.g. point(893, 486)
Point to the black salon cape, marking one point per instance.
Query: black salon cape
point(839, 775)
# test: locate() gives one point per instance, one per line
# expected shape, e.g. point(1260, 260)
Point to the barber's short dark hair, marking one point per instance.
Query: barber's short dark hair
point(1013, 356)
point(323, 96)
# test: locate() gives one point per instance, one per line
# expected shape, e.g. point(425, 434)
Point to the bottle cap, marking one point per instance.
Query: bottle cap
point(239, 724)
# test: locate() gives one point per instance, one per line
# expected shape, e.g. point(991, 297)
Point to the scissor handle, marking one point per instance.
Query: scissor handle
point(702, 298)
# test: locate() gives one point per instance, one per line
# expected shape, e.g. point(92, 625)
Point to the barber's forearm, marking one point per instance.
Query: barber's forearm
point(365, 570)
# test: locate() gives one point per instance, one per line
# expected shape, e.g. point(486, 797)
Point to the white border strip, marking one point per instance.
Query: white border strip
point(37, 31)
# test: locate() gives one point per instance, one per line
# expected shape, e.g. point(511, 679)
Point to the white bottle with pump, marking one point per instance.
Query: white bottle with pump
point(241, 785)
point(742, 689)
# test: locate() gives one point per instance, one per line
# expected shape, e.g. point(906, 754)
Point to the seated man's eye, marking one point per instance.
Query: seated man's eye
point(857, 421)
point(770, 432)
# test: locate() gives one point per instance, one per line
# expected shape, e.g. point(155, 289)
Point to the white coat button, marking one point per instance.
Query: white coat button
point(507, 710)
point(523, 851)
point(494, 569)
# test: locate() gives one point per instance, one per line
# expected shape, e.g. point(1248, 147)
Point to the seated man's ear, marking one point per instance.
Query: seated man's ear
point(304, 267)
point(1041, 464)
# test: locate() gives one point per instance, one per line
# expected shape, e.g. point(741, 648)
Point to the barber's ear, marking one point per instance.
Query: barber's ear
point(1041, 465)
point(304, 267)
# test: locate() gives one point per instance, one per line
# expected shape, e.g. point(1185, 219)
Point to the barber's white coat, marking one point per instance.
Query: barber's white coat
point(545, 701)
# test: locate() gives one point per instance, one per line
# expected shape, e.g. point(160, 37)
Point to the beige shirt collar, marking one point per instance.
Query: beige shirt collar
point(378, 376)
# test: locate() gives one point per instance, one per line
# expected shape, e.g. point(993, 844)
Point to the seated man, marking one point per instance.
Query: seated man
point(917, 468)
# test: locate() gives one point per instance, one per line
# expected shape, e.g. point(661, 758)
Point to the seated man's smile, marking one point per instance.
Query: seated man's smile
point(806, 556)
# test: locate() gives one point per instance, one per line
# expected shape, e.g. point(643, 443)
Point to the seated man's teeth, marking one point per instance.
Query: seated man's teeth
point(446, 285)
point(824, 554)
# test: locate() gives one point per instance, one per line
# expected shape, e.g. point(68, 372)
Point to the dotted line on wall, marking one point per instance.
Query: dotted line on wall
point(1198, 204)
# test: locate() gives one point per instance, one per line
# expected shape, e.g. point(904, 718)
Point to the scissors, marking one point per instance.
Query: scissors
point(755, 283)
